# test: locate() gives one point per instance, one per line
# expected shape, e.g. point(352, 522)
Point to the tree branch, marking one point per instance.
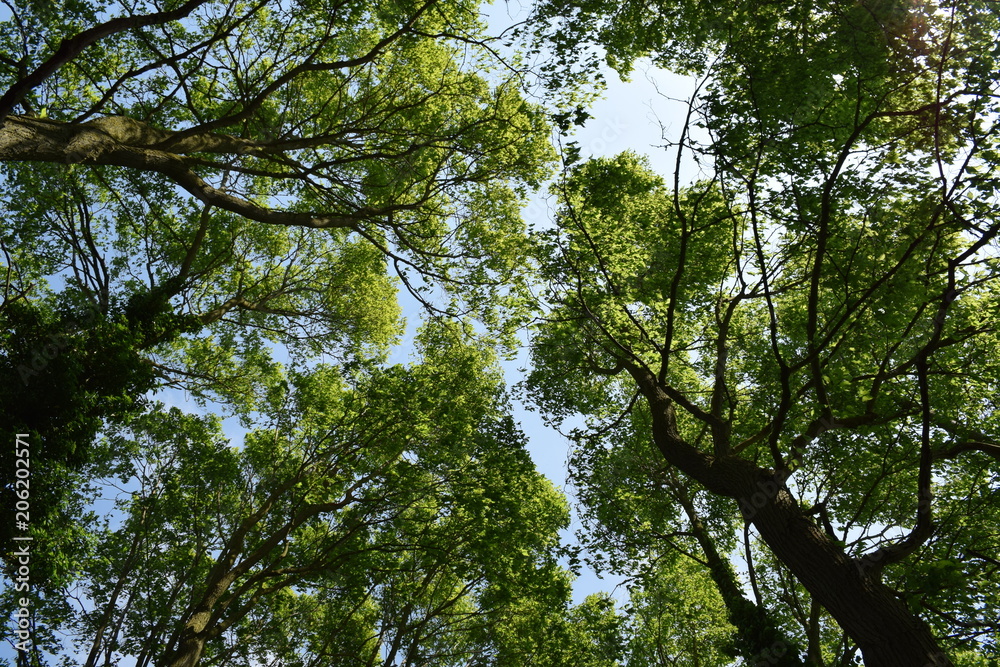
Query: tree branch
point(72, 47)
point(123, 142)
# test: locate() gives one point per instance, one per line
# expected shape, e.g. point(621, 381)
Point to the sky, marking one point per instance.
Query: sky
point(642, 115)
point(632, 115)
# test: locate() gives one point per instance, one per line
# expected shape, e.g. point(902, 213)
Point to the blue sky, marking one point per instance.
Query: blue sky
point(640, 115)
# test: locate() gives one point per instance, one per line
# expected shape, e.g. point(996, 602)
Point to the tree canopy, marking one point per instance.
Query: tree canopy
point(362, 521)
point(186, 187)
point(781, 376)
point(809, 330)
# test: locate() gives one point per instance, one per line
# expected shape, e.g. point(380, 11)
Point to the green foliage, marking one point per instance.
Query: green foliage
point(677, 617)
point(63, 371)
point(627, 278)
point(195, 263)
point(360, 517)
point(823, 304)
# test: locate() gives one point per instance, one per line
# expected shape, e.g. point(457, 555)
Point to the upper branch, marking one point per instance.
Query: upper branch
point(124, 142)
point(72, 47)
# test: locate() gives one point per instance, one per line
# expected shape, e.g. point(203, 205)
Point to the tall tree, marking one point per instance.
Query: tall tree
point(812, 333)
point(362, 521)
point(186, 147)
point(810, 327)
point(186, 185)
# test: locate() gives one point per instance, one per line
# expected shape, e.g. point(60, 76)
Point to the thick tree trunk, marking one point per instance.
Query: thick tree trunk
point(887, 633)
point(191, 644)
point(187, 645)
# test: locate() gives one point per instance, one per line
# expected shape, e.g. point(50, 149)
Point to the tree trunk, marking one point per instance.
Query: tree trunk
point(888, 634)
point(191, 643)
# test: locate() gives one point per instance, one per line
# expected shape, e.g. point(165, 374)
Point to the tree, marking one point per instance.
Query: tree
point(811, 327)
point(187, 185)
point(235, 104)
point(197, 140)
point(362, 521)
